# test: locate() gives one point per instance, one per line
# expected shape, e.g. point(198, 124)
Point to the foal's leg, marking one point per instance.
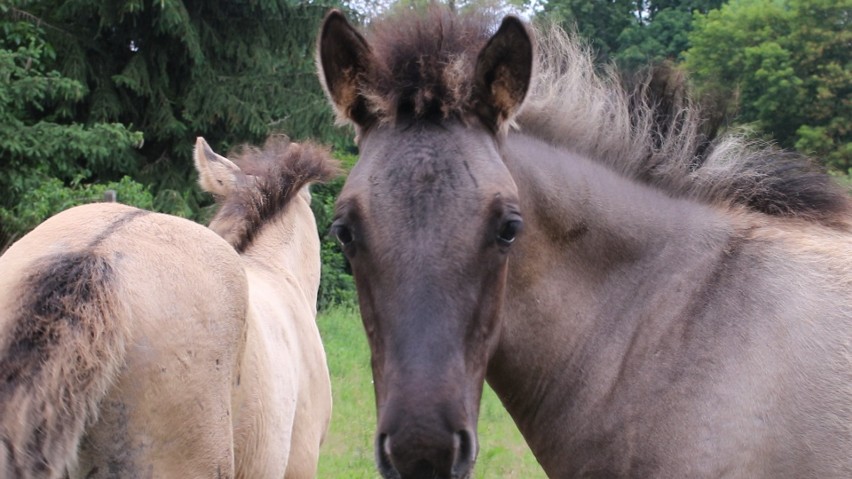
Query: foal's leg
point(304, 450)
point(313, 410)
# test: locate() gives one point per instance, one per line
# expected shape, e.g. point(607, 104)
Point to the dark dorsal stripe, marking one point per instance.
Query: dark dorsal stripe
point(115, 226)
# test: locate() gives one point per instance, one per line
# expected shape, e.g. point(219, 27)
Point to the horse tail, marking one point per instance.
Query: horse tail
point(62, 349)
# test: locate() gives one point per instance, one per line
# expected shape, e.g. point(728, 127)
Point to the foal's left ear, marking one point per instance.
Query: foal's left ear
point(503, 72)
point(216, 174)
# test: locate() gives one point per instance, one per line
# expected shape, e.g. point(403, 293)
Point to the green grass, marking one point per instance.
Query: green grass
point(348, 449)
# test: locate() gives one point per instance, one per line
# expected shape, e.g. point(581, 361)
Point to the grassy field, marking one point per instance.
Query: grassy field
point(348, 449)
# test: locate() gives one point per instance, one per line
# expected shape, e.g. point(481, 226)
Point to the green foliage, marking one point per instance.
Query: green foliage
point(336, 284)
point(232, 72)
point(786, 65)
point(45, 155)
point(81, 81)
point(781, 66)
point(664, 38)
point(34, 102)
point(656, 7)
point(599, 22)
point(53, 196)
point(631, 32)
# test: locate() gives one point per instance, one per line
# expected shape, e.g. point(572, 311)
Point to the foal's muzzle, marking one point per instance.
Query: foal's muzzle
point(404, 456)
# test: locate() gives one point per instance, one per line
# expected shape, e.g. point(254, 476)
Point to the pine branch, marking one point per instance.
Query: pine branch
point(16, 14)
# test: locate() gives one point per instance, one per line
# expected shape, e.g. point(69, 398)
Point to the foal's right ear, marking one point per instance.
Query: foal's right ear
point(216, 174)
point(344, 59)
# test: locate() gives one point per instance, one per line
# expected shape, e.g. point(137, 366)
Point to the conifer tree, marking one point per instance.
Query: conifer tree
point(232, 71)
point(47, 159)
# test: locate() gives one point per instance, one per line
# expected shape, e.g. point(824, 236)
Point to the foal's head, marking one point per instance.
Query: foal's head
point(427, 217)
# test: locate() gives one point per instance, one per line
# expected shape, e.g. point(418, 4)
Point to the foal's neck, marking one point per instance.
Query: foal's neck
point(578, 207)
point(599, 256)
point(286, 252)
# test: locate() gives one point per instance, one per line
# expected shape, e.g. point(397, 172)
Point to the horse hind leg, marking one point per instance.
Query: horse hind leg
point(64, 344)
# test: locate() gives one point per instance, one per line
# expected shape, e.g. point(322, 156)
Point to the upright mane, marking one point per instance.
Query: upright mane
point(278, 171)
point(424, 62)
point(652, 132)
point(655, 133)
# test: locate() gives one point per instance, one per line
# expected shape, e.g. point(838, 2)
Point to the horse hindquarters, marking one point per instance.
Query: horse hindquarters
point(123, 325)
point(63, 340)
point(169, 413)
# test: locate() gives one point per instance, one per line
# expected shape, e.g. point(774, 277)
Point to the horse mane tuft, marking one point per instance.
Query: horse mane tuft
point(650, 129)
point(280, 169)
point(424, 61)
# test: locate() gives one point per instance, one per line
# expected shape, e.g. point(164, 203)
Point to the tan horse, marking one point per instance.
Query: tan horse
point(645, 303)
point(136, 344)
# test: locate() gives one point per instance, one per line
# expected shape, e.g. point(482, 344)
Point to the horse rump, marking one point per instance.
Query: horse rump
point(62, 345)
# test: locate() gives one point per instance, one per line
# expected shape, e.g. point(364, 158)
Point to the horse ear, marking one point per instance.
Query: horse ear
point(216, 174)
point(503, 72)
point(343, 58)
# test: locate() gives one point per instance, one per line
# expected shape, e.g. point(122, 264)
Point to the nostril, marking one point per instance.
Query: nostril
point(465, 453)
point(383, 454)
point(384, 443)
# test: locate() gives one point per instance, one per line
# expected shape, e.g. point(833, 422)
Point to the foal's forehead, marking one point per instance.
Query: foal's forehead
point(440, 157)
point(424, 173)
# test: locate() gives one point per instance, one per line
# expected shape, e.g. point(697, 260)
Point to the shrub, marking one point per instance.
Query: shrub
point(53, 196)
point(336, 284)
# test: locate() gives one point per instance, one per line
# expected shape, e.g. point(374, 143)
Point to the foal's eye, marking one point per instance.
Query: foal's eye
point(509, 231)
point(342, 233)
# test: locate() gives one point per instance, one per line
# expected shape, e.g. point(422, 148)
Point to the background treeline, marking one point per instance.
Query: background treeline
point(782, 68)
point(110, 94)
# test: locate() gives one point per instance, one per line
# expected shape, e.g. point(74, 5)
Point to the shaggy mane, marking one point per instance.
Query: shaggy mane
point(652, 132)
point(424, 62)
point(280, 169)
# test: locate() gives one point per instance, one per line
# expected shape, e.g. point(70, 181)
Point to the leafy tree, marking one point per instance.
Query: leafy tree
point(787, 66)
point(601, 22)
point(663, 33)
point(661, 38)
point(656, 7)
point(632, 32)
